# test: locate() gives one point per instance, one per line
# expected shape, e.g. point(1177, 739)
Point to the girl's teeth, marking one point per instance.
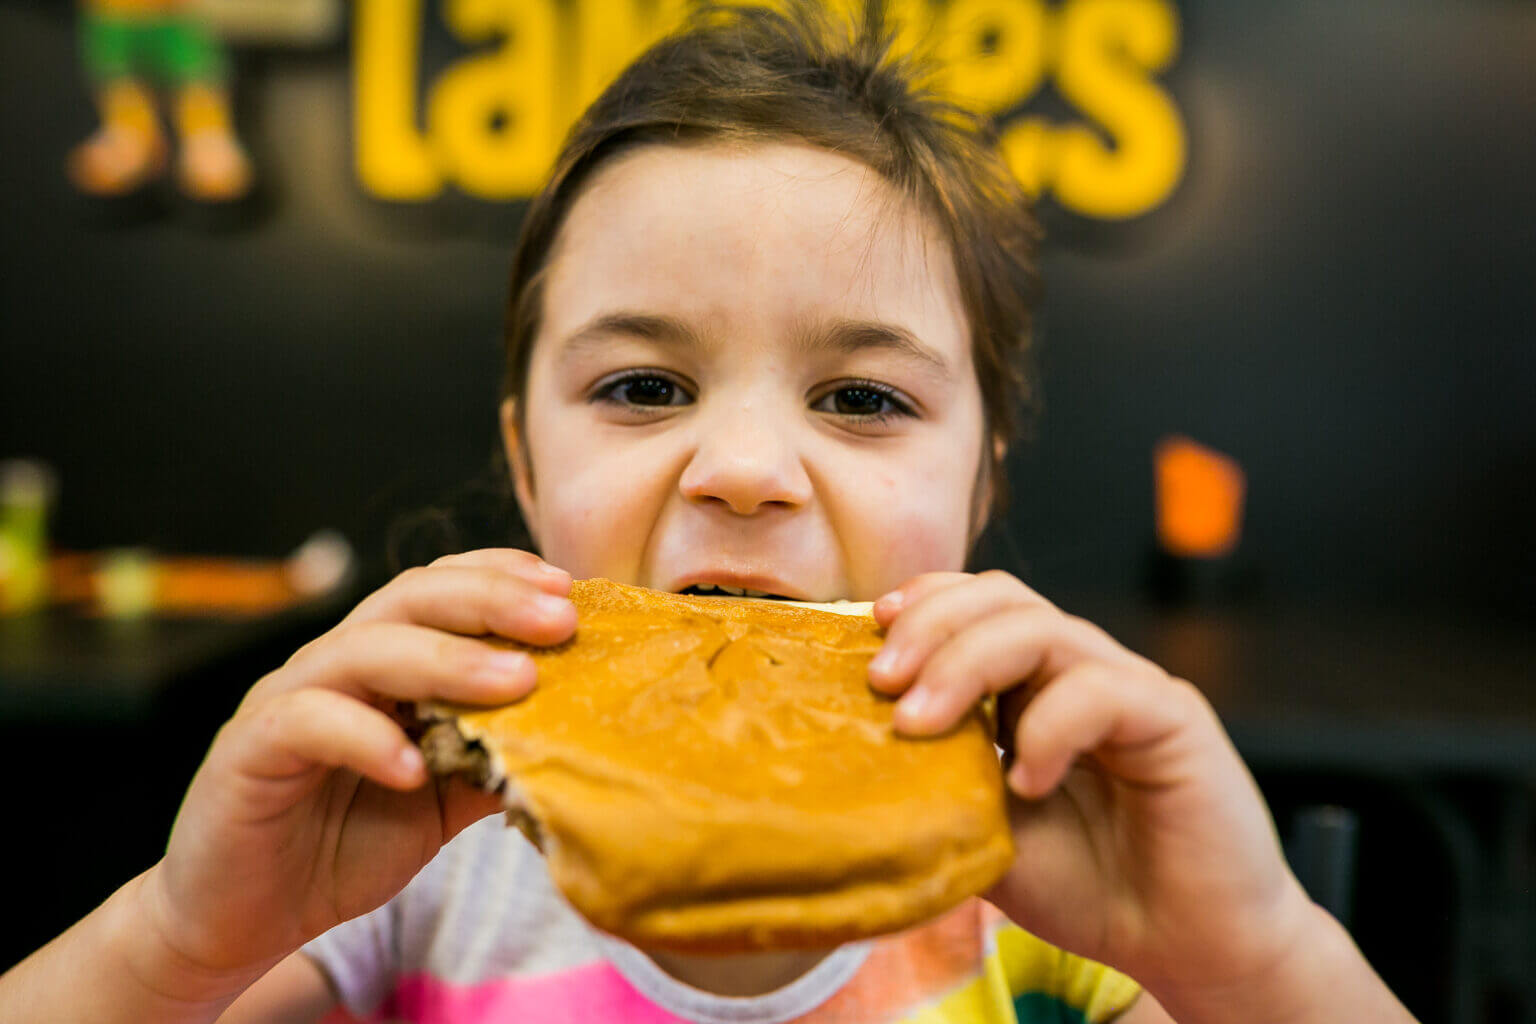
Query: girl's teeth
point(716, 588)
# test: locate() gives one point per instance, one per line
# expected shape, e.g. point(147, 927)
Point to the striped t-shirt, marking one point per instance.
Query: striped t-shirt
point(481, 936)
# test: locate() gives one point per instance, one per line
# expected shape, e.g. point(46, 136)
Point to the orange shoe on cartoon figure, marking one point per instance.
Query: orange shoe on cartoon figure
point(116, 160)
point(213, 167)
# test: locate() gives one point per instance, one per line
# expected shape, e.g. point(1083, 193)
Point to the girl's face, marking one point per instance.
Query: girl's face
point(753, 370)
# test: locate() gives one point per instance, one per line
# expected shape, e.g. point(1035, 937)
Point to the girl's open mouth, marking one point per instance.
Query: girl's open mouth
point(714, 590)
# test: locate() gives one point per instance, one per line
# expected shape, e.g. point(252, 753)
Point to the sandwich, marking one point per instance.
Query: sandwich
point(714, 774)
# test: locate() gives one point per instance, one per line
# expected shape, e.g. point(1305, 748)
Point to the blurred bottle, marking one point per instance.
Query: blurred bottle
point(27, 488)
point(126, 580)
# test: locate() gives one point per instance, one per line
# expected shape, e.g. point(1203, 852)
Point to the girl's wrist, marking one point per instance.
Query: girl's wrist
point(116, 965)
point(1316, 974)
point(138, 936)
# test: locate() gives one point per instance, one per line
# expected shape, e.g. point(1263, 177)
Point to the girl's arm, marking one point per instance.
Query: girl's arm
point(113, 965)
point(1141, 839)
point(110, 966)
point(1330, 964)
point(294, 992)
point(312, 807)
point(1325, 979)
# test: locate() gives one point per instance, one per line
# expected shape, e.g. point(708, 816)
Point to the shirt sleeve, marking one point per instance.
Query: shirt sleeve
point(1038, 971)
point(360, 958)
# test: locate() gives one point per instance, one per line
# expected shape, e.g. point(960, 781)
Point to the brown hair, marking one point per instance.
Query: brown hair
point(757, 73)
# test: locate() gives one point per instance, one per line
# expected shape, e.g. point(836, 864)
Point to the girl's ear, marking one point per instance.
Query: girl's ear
point(516, 447)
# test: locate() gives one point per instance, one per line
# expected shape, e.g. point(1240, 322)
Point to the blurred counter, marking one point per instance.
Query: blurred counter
point(112, 630)
point(103, 723)
point(1348, 687)
point(1419, 726)
point(59, 666)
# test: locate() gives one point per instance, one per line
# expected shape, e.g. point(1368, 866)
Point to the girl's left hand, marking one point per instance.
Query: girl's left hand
point(1142, 841)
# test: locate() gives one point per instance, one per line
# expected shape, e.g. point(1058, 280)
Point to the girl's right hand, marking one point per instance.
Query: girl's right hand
point(312, 806)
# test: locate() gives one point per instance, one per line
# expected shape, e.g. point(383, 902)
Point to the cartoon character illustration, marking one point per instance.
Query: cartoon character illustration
point(131, 50)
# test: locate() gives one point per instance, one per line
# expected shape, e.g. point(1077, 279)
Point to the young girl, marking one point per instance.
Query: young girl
point(764, 333)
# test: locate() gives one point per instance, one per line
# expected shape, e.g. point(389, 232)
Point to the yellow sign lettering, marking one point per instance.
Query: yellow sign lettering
point(993, 52)
point(609, 34)
point(493, 117)
point(393, 160)
point(1026, 146)
point(1107, 51)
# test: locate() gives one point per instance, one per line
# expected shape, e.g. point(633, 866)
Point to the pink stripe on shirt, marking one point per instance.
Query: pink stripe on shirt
point(592, 992)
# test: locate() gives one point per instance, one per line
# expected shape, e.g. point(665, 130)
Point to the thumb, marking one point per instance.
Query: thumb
point(463, 804)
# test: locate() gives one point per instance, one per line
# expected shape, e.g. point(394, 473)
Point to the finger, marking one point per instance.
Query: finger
point(464, 803)
point(929, 619)
point(1021, 646)
point(550, 578)
point(1004, 650)
point(474, 600)
point(887, 605)
point(407, 662)
point(1129, 722)
point(291, 735)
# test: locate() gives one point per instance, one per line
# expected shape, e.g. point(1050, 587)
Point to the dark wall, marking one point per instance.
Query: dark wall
point(1339, 294)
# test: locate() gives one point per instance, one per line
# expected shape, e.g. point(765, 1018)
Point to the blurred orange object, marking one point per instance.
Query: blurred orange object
point(184, 586)
point(188, 585)
point(1199, 499)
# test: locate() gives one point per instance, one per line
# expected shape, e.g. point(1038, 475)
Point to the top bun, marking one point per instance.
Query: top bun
point(714, 774)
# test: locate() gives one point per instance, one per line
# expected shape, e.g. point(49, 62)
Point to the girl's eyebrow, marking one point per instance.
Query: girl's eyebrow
point(842, 336)
point(849, 336)
point(669, 331)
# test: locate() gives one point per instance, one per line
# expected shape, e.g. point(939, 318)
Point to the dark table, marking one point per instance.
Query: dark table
point(102, 725)
point(1349, 687)
point(61, 666)
point(1422, 724)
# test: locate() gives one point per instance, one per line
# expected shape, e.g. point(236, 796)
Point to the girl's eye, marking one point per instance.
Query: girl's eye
point(864, 401)
point(859, 401)
point(642, 388)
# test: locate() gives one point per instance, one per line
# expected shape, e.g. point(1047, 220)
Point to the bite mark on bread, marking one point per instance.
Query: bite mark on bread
point(449, 752)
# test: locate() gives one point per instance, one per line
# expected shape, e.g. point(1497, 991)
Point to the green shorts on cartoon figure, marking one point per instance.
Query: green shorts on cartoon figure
point(133, 50)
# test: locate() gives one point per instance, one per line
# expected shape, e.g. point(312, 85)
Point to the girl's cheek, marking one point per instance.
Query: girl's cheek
point(898, 517)
point(908, 537)
point(582, 537)
point(923, 546)
point(596, 517)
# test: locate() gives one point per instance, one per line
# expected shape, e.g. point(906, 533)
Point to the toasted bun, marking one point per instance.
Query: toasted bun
point(714, 774)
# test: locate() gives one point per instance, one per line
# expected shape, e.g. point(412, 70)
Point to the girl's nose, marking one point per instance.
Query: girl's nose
point(746, 469)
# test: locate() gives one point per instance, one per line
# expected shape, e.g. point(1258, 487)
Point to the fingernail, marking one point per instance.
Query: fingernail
point(552, 570)
point(504, 666)
point(410, 764)
point(552, 605)
point(891, 602)
point(884, 661)
point(1018, 779)
point(915, 702)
